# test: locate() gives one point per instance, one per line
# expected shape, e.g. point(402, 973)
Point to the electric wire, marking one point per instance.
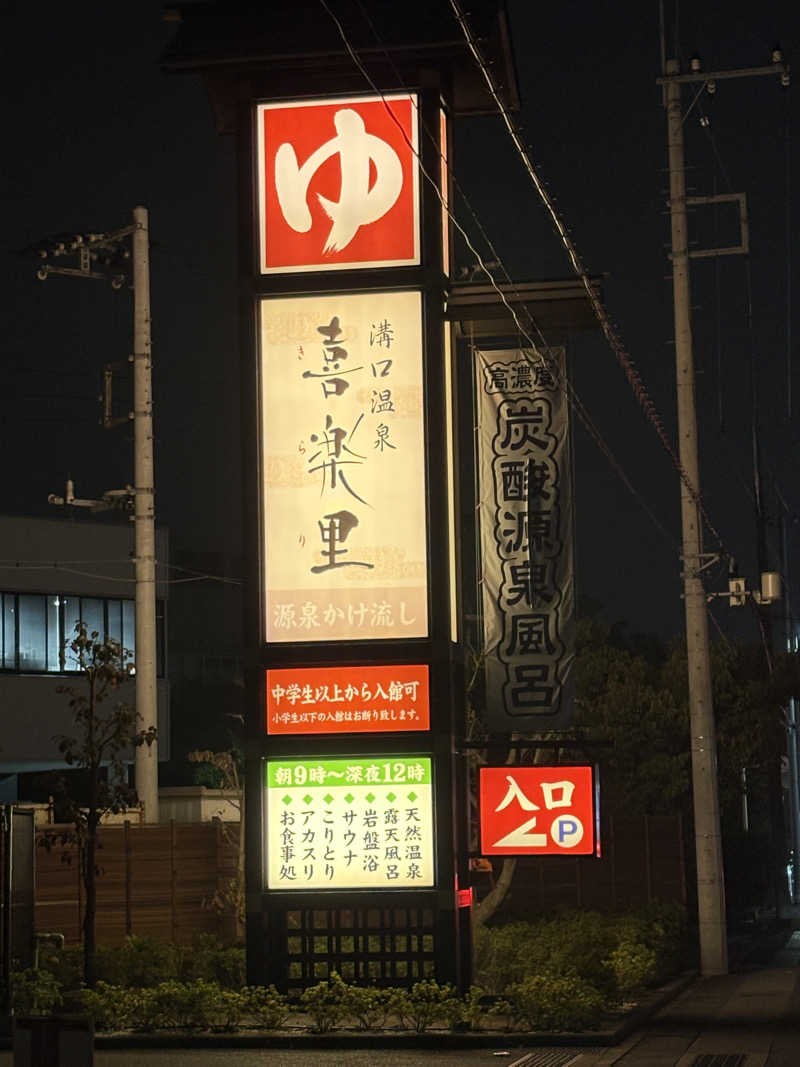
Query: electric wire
point(62, 566)
point(572, 395)
point(754, 494)
point(607, 327)
point(547, 362)
point(600, 311)
point(608, 330)
point(787, 142)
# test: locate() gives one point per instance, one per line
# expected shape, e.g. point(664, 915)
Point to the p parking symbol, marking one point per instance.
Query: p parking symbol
point(566, 831)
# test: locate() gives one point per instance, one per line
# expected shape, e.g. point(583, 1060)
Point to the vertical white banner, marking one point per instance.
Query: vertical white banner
point(343, 466)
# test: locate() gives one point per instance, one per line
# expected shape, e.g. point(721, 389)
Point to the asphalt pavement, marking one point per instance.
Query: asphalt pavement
point(544, 1057)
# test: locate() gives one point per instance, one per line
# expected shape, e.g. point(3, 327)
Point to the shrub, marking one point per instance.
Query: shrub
point(212, 961)
point(668, 936)
point(110, 1007)
point(633, 965)
point(194, 1005)
point(370, 1007)
point(34, 992)
point(146, 961)
point(424, 1003)
point(225, 1009)
point(229, 967)
point(110, 963)
point(555, 1002)
point(500, 955)
point(266, 1005)
point(649, 947)
point(154, 1008)
point(66, 965)
point(575, 943)
point(472, 1011)
point(325, 1002)
point(453, 1012)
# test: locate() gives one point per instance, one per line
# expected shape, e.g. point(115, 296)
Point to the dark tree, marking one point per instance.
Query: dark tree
point(105, 732)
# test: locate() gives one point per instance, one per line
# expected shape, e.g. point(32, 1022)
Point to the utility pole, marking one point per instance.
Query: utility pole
point(144, 519)
point(708, 843)
point(792, 718)
point(705, 791)
point(101, 256)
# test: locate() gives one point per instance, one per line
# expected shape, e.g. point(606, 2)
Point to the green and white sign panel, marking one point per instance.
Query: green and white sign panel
point(350, 823)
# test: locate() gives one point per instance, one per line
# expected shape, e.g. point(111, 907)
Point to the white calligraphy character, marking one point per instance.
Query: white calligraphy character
point(358, 204)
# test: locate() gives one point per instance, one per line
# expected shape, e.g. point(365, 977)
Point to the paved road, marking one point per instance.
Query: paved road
point(549, 1057)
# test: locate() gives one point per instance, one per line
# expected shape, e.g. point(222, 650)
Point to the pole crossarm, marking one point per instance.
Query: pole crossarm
point(778, 70)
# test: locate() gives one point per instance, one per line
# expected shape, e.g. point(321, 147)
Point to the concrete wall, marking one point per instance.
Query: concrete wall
point(89, 556)
point(197, 803)
point(32, 712)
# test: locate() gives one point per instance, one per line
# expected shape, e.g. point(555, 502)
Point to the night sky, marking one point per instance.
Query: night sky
point(92, 127)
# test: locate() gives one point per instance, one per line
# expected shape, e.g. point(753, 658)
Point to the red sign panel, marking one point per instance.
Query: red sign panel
point(464, 898)
point(346, 700)
point(338, 183)
point(537, 811)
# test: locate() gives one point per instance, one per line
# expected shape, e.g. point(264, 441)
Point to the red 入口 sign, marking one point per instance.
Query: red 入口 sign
point(537, 811)
point(338, 183)
point(344, 700)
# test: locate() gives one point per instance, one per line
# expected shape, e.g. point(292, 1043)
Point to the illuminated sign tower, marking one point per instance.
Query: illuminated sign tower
point(355, 799)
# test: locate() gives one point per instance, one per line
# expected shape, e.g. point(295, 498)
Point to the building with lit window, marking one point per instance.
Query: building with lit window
point(53, 573)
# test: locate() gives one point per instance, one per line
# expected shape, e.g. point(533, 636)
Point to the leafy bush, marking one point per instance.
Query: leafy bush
point(668, 936)
point(554, 1002)
point(146, 961)
point(225, 1008)
point(370, 1007)
point(425, 1003)
point(228, 967)
point(194, 1005)
point(472, 1011)
point(112, 962)
point(615, 954)
point(110, 1007)
point(155, 1008)
point(65, 965)
point(576, 943)
point(266, 1005)
point(453, 1012)
point(650, 947)
point(212, 961)
point(633, 965)
point(326, 1002)
point(500, 956)
point(34, 992)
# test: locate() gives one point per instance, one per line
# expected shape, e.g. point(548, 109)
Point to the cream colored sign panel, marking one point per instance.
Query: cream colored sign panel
point(350, 823)
point(343, 467)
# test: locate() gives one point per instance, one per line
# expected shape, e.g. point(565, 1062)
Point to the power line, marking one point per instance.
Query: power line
point(607, 327)
point(67, 567)
point(485, 267)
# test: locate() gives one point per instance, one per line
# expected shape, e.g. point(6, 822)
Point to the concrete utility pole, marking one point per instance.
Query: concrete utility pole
point(104, 248)
point(144, 519)
point(708, 843)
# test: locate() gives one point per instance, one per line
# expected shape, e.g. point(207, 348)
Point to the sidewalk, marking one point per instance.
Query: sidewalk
point(752, 1018)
